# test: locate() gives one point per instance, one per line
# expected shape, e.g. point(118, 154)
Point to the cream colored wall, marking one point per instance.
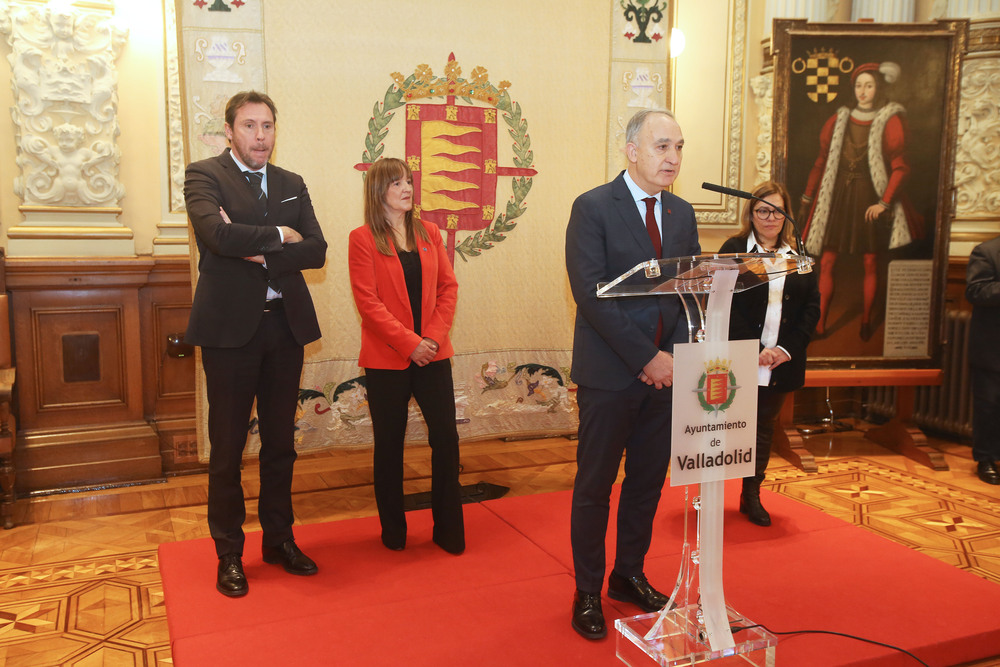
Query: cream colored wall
point(705, 77)
point(141, 116)
point(515, 294)
point(328, 63)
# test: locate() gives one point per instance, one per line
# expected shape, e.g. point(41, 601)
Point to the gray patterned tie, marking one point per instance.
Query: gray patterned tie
point(256, 180)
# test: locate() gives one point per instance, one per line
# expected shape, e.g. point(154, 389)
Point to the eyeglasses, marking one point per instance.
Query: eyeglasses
point(767, 213)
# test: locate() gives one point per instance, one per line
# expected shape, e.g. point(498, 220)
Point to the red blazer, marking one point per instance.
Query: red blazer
point(387, 336)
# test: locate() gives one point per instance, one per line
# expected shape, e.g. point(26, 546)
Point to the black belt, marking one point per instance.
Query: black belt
point(273, 305)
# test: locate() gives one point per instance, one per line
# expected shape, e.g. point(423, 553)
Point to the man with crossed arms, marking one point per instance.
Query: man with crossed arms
point(252, 316)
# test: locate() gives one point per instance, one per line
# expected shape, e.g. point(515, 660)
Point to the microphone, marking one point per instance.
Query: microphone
point(727, 191)
point(746, 195)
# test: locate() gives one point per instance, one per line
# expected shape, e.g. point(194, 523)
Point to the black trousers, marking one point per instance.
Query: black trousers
point(769, 402)
point(634, 422)
point(985, 414)
point(389, 393)
point(267, 369)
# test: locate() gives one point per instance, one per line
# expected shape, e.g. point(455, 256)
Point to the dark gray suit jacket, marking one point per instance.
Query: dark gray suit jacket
point(606, 236)
point(229, 299)
point(983, 292)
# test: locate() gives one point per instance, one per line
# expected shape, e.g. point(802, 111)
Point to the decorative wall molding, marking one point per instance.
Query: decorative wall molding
point(977, 158)
point(65, 114)
point(884, 11)
point(65, 121)
point(763, 93)
point(984, 38)
point(736, 69)
point(175, 117)
point(811, 10)
point(957, 9)
point(172, 235)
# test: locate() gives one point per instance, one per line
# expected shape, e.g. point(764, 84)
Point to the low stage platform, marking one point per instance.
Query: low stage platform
point(507, 599)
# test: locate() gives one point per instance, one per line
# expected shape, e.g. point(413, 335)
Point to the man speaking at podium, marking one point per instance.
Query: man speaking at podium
point(622, 363)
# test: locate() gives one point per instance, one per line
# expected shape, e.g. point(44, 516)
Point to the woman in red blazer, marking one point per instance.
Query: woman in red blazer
point(405, 290)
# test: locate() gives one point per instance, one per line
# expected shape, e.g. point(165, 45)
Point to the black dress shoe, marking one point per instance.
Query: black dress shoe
point(987, 471)
point(455, 547)
point(750, 505)
point(637, 591)
point(588, 618)
point(393, 545)
point(289, 556)
point(452, 541)
point(231, 581)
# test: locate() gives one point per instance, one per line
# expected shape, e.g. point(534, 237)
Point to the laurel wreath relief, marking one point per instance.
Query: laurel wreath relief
point(495, 232)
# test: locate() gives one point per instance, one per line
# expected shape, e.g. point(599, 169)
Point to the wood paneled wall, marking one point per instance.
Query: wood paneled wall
point(99, 400)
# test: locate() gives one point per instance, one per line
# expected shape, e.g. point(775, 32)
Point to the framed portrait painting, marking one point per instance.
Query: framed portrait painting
point(864, 126)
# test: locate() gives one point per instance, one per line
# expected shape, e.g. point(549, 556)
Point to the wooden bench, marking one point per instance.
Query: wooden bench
point(899, 434)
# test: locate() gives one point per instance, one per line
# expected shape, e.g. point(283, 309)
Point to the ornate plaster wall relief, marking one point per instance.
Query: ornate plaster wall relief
point(977, 143)
point(763, 94)
point(65, 126)
point(977, 157)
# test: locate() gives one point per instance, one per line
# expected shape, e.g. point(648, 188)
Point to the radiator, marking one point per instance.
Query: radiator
point(946, 408)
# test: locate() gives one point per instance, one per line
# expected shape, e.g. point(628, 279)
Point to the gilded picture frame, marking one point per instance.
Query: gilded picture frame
point(865, 113)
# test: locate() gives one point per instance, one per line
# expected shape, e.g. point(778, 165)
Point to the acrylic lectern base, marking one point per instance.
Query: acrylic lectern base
point(681, 641)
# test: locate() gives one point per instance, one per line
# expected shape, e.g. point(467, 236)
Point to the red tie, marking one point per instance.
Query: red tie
point(651, 228)
point(654, 236)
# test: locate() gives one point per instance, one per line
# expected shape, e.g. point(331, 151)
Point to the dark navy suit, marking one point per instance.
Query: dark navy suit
point(613, 339)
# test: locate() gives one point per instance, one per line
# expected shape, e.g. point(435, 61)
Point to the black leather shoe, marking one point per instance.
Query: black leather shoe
point(987, 471)
point(750, 505)
point(393, 544)
point(637, 591)
point(231, 581)
point(588, 618)
point(289, 556)
point(454, 546)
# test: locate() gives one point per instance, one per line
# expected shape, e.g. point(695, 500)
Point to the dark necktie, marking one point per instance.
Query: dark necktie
point(651, 228)
point(654, 236)
point(256, 180)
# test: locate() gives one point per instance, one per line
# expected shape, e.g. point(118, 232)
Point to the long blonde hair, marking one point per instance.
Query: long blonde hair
point(766, 189)
point(380, 176)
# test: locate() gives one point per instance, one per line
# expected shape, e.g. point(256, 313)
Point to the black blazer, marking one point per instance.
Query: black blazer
point(799, 315)
point(229, 299)
point(982, 289)
point(606, 236)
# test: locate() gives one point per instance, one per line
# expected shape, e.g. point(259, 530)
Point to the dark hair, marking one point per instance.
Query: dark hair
point(881, 96)
point(378, 178)
point(766, 189)
point(248, 97)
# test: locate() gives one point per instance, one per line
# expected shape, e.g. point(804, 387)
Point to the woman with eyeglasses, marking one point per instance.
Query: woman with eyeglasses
point(782, 315)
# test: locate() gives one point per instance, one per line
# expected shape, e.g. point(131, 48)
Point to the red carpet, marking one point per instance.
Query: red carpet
point(507, 600)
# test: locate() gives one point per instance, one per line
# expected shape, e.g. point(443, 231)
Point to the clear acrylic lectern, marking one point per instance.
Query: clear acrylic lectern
point(699, 628)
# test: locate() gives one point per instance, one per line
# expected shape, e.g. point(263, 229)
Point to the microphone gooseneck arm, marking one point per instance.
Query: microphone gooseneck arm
point(746, 195)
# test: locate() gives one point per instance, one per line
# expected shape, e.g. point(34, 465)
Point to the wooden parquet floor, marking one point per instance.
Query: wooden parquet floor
point(80, 584)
